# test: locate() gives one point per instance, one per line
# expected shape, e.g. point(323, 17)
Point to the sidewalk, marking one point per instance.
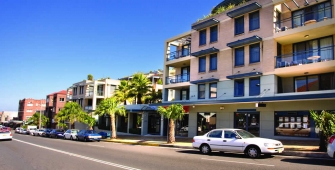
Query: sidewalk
point(307, 148)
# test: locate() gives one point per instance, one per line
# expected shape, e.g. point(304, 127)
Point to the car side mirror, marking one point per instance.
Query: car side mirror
point(237, 137)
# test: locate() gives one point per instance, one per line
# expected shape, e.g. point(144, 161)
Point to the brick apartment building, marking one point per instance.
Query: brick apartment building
point(54, 103)
point(29, 106)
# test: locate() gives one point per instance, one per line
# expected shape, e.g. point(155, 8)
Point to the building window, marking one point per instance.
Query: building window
point(314, 82)
point(206, 122)
point(81, 90)
point(202, 64)
point(239, 56)
point(254, 21)
point(254, 53)
point(59, 109)
point(202, 37)
point(61, 99)
point(29, 110)
point(75, 91)
point(212, 90)
point(201, 91)
point(213, 62)
point(254, 86)
point(239, 88)
point(239, 25)
point(112, 89)
point(214, 34)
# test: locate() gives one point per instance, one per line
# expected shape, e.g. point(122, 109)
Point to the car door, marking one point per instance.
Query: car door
point(215, 140)
point(231, 143)
point(81, 134)
point(67, 134)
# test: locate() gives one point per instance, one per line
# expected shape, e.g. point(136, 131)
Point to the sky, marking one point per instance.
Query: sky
point(47, 45)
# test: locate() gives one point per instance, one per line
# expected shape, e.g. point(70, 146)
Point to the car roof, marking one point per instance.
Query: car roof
point(227, 129)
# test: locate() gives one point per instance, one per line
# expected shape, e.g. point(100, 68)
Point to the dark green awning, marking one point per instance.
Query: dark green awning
point(243, 10)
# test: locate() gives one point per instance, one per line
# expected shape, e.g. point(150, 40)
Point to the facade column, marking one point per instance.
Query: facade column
point(144, 127)
point(130, 120)
point(162, 126)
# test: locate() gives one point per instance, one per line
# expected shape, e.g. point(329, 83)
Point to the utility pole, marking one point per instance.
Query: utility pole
point(40, 115)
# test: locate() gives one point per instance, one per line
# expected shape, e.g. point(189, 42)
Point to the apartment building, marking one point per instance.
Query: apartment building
point(261, 65)
point(6, 116)
point(29, 106)
point(54, 103)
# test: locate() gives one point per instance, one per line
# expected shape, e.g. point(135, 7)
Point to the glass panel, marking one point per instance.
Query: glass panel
point(239, 56)
point(202, 37)
point(206, 122)
point(326, 82)
point(298, 18)
point(215, 134)
point(239, 88)
point(213, 90)
point(201, 91)
point(326, 49)
point(202, 64)
point(300, 84)
point(299, 55)
point(248, 122)
point(254, 53)
point(182, 126)
point(183, 95)
point(313, 83)
point(213, 62)
point(254, 20)
point(254, 86)
point(239, 25)
point(214, 34)
point(312, 48)
point(292, 124)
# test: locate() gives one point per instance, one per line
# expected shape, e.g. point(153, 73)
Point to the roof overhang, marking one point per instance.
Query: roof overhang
point(243, 10)
point(244, 41)
point(205, 81)
point(140, 108)
point(205, 24)
point(205, 52)
point(244, 75)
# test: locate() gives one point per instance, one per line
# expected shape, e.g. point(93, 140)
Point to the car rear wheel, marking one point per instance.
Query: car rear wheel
point(253, 152)
point(205, 149)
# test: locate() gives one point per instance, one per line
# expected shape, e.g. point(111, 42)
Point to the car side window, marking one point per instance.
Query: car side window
point(68, 131)
point(229, 134)
point(215, 134)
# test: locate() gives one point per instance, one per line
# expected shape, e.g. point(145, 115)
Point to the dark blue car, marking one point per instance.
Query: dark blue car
point(57, 133)
point(88, 135)
point(46, 132)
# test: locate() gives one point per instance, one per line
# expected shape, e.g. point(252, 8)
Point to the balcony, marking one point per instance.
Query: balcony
point(100, 93)
point(89, 94)
point(88, 108)
point(305, 57)
point(178, 54)
point(177, 79)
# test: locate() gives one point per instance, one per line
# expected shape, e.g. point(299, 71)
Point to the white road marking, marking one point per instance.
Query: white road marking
point(95, 145)
point(80, 156)
point(301, 157)
point(237, 162)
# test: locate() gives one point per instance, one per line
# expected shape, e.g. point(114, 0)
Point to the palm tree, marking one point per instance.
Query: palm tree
point(325, 121)
point(111, 106)
point(141, 86)
point(124, 93)
point(173, 112)
point(35, 119)
point(72, 112)
point(90, 121)
point(89, 77)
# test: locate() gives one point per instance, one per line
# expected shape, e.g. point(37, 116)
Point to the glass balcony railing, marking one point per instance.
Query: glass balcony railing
point(100, 93)
point(305, 57)
point(89, 93)
point(302, 18)
point(178, 79)
point(178, 54)
point(88, 107)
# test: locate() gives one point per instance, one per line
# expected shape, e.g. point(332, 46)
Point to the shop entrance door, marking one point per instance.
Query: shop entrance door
point(154, 122)
point(248, 121)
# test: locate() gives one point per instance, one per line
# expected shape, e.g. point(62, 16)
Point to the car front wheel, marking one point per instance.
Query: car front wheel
point(205, 149)
point(253, 152)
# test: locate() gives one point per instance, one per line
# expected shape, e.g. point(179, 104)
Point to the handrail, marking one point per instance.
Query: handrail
point(178, 78)
point(178, 54)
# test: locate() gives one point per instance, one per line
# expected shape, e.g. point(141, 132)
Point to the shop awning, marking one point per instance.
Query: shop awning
point(205, 81)
point(205, 52)
point(243, 10)
point(245, 41)
point(244, 75)
point(205, 24)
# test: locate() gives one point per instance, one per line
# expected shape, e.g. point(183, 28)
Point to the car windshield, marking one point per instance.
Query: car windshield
point(89, 131)
point(245, 134)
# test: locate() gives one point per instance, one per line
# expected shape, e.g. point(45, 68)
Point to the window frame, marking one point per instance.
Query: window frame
point(257, 18)
point(203, 58)
point(236, 81)
point(258, 86)
point(204, 91)
point(211, 65)
point(210, 90)
point(202, 37)
point(235, 56)
point(238, 24)
point(214, 34)
point(251, 54)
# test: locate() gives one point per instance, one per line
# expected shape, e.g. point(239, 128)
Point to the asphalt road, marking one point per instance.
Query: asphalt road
point(38, 153)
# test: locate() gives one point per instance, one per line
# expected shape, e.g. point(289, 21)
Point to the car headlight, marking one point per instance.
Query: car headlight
point(270, 145)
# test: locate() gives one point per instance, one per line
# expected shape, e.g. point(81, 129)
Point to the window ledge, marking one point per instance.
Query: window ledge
point(238, 66)
point(237, 35)
point(203, 45)
point(211, 71)
point(251, 31)
point(255, 63)
point(213, 42)
point(201, 72)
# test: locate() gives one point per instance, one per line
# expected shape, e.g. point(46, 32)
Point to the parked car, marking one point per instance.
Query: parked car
point(17, 130)
point(31, 131)
point(38, 132)
point(5, 134)
point(46, 132)
point(71, 134)
point(56, 133)
point(331, 146)
point(23, 131)
point(236, 140)
point(88, 135)
point(105, 135)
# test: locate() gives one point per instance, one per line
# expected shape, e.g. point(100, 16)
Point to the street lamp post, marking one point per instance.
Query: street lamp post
point(39, 126)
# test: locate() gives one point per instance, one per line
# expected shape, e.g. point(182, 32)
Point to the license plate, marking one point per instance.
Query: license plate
point(4, 135)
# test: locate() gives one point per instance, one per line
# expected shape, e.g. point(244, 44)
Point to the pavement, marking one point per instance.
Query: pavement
point(301, 148)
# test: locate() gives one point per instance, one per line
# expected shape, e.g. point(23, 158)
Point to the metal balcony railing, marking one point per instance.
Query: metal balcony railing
point(177, 79)
point(305, 18)
point(178, 54)
point(305, 57)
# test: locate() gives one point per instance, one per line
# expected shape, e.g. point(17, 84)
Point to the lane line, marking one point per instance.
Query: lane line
point(236, 162)
point(95, 145)
point(80, 156)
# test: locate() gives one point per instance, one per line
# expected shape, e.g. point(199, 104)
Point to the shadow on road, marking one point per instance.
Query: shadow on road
point(226, 154)
point(310, 161)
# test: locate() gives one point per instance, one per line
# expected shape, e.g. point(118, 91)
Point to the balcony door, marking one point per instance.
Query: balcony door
point(185, 74)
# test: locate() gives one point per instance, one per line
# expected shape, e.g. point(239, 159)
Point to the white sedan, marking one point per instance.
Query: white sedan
point(38, 132)
point(236, 140)
point(331, 146)
point(71, 134)
point(5, 135)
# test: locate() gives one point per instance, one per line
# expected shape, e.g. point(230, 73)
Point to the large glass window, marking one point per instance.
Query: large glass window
point(314, 82)
point(239, 88)
point(254, 21)
point(292, 123)
point(254, 53)
point(201, 91)
point(239, 25)
point(212, 90)
point(215, 134)
point(214, 34)
point(202, 64)
point(213, 62)
point(254, 86)
point(182, 126)
point(239, 56)
point(202, 37)
point(206, 121)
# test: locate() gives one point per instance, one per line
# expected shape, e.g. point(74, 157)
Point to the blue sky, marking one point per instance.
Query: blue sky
point(47, 45)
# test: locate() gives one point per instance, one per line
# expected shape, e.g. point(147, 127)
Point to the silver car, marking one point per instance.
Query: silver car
point(71, 134)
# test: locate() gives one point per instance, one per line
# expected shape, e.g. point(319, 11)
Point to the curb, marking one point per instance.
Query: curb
point(285, 153)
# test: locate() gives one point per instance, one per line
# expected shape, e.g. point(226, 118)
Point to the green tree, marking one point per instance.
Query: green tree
point(35, 120)
point(60, 118)
point(88, 120)
point(111, 106)
point(325, 121)
point(89, 77)
point(124, 92)
point(173, 112)
point(141, 86)
point(71, 112)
